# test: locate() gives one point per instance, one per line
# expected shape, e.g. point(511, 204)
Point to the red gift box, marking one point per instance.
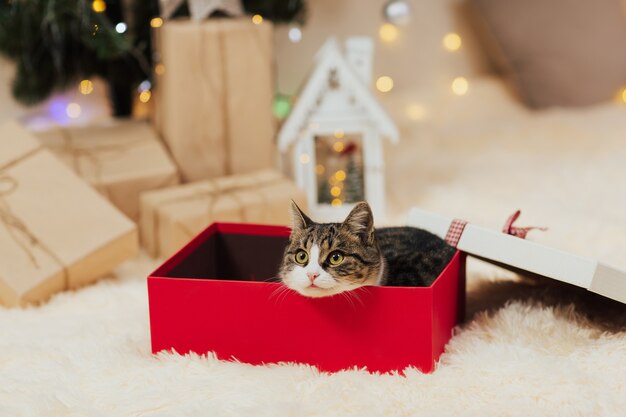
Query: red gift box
point(216, 294)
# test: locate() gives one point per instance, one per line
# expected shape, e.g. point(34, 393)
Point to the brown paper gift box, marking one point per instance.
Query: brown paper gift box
point(119, 159)
point(56, 232)
point(213, 96)
point(170, 217)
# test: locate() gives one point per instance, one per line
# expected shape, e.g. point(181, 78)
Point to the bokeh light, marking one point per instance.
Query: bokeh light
point(144, 96)
point(85, 87)
point(460, 86)
point(416, 112)
point(384, 84)
point(452, 41)
point(121, 27)
point(295, 34)
point(156, 22)
point(388, 32)
point(73, 110)
point(98, 6)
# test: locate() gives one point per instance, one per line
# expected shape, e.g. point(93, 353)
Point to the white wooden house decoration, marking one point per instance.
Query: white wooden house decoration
point(334, 133)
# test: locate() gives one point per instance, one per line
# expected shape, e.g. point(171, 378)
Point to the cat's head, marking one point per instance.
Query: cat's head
point(323, 259)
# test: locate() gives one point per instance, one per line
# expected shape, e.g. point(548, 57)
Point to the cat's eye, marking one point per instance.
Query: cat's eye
point(302, 257)
point(335, 258)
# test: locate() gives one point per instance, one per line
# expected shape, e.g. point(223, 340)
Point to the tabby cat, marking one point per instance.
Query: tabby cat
point(323, 259)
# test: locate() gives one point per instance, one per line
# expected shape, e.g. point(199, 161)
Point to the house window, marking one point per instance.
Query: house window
point(339, 169)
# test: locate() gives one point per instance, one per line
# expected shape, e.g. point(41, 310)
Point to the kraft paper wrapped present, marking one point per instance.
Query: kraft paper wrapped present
point(170, 217)
point(213, 95)
point(119, 159)
point(56, 232)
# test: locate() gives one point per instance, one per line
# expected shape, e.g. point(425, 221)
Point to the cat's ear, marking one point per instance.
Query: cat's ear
point(299, 220)
point(360, 221)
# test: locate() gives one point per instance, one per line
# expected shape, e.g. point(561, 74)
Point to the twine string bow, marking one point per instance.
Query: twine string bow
point(91, 153)
point(217, 191)
point(14, 226)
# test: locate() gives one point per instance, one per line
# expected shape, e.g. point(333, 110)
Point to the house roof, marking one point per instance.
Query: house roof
point(330, 57)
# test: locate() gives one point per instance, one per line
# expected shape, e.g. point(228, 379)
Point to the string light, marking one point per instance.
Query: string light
point(156, 22)
point(159, 69)
point(121, 27)
point(338, 146)
point(319, 169)
point(281, 106)
point(336, 202)
point(416, 112)
point(388, 32)
point(144, 85)
point(85, 87)
point(340, 175)
point(257, 19)
point(98, 6)
point(295, 34)
point(95, 30)
point(460, 86)
point(452, 41)
point(305, 158)
point(144, 96)
point(384, 84)
point(73, 110)
point(335, 191)
point(339, 134)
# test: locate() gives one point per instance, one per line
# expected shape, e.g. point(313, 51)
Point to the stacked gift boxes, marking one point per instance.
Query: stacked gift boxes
point(212, 127)
point(125, 163)
point(56, 232)
point(119, 159)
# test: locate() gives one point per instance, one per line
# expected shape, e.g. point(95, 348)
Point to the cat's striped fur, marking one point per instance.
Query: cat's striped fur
point(398, 256)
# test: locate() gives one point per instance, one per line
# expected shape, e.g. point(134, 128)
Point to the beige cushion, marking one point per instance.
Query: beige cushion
point(558, 52)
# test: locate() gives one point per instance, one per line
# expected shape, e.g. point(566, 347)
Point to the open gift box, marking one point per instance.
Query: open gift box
point(219, 294)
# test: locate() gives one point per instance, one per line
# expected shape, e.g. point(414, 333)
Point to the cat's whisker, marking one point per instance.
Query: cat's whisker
point(347, 297)
point(284, 293)
point(281, 293)
point(277, 291)
point(276, 294)
point(355, 295)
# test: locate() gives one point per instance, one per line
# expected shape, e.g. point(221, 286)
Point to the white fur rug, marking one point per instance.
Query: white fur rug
point(527, 348)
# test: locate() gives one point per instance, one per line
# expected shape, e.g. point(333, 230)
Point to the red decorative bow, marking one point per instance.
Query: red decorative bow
point(509, 229)
point(456, 229)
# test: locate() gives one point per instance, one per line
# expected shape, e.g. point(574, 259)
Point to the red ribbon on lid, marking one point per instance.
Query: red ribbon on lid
point(456, 229)
point(509, 229)
point(454, 232)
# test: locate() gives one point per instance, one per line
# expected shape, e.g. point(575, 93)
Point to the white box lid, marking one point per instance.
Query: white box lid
point(517, 254)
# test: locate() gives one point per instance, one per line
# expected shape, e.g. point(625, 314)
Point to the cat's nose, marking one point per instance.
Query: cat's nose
point(312, 276)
